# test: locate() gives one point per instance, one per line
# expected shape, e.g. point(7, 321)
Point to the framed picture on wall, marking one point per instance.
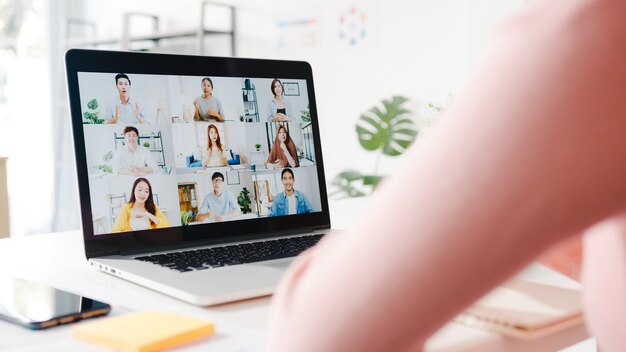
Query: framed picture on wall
point(291, 88)
point(263, 196)
point(232, 177)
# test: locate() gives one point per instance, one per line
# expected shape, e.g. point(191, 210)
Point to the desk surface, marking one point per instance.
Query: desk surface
point(58, 259)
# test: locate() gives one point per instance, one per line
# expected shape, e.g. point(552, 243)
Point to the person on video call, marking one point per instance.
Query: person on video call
point(122, 109)
point(208, 107)
point(214, 155)
point(220, 204)
point(290, 201)
point(278, 109)
point(140, 213)
point(531, 153)
point(132, 158)
point(283, 152)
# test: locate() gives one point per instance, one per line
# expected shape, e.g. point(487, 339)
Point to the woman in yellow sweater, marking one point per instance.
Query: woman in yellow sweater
point(140, 213)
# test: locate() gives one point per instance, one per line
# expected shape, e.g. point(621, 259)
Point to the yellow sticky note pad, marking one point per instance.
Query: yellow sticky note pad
point(144, 331)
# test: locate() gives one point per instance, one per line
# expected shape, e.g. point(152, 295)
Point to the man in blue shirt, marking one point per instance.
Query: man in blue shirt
point(218, 205)
point(290, 201)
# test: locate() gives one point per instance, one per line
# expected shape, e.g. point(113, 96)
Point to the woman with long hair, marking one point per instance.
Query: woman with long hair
point(214, 154)
point(140, 213)
point(283, 152)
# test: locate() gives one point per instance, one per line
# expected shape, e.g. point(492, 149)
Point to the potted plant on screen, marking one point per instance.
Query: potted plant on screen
point(244, 201)
point(92, 116)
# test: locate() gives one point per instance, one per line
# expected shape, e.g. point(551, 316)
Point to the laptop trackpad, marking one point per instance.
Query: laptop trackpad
point(280, 264)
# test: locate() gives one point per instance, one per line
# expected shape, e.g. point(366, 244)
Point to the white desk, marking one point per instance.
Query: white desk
point(57, 259)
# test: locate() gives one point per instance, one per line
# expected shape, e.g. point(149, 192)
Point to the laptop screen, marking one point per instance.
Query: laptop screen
point(183, 150)
point(177, 150)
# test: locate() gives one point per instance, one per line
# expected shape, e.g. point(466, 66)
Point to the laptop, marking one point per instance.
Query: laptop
point(199, 177)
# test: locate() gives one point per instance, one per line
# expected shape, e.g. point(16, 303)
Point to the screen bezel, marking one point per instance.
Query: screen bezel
point(82, 60)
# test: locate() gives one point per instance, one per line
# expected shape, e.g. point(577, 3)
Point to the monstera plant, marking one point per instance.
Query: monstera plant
point(92, 116)
point(387, 130)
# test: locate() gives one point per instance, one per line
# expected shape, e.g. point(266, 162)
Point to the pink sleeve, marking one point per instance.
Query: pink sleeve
point(531, 152)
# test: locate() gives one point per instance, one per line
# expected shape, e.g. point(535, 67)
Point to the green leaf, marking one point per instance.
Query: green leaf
point(92, 104)
point(346, 185)
point(372, 180)
point(388, 129)
point(348, 176)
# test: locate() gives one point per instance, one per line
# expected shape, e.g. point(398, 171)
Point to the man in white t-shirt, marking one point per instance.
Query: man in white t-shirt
point(220, 204)
point(131, 158)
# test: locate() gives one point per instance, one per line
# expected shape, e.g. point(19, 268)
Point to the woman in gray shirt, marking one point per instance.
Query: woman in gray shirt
point(208, 107)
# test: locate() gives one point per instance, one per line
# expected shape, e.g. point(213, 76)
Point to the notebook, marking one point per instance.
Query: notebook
point(525, 310)
point(199, 177)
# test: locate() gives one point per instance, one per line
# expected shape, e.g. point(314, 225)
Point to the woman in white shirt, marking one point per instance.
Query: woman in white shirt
point(140, 213)
point(214, 154)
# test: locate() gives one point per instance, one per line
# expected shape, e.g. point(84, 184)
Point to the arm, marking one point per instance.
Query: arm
point(470, 209)
point(219, 114)
point(159, 219)
point(274, 208)
point(150, 164)
point(234, 211)
point(203, 216)
point(204, 211)
point(223, 158)
point(197, 113)
point(206, 154)
point(289, 112)
point(120, 162)
point(139, 113)
point(112, 115)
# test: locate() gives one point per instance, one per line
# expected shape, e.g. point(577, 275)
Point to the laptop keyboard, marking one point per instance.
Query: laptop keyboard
point(200, 259)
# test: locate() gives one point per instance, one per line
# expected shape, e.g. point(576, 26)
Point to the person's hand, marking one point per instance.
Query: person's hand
point(280, 163)
point(139, 213)
point(152, 217)
point(197, 113)
point(116, 115)
point(134, 170)
point(218, 218)
point(137, 113)
point(215, 113)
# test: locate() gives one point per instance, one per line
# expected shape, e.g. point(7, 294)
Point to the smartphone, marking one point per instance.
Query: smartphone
point(38, 306)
